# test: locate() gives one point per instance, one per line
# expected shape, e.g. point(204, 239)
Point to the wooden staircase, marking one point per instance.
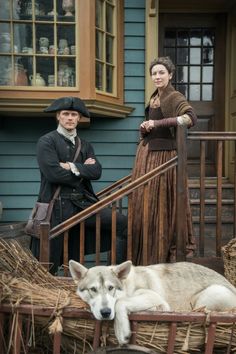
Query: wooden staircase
point(210, 218)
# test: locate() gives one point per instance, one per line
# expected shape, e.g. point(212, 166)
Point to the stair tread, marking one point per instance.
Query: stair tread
point(209, 182)
point(211, 201)
point(212, 219)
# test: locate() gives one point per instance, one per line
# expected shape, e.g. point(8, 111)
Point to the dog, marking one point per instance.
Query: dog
point(113, 292)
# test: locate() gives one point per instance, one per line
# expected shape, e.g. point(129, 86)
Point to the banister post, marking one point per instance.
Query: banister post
point(44, 244)
point(181, 195)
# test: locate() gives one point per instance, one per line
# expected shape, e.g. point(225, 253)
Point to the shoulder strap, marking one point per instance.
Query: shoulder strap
point(77, 150)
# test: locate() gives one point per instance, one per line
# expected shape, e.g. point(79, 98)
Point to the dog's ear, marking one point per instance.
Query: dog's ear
point(122, 270)
point(77, 270)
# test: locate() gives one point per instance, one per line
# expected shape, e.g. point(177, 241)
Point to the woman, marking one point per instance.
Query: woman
point(167, 109)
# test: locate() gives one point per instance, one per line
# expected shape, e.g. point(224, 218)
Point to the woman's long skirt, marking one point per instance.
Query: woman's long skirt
point(161, 210)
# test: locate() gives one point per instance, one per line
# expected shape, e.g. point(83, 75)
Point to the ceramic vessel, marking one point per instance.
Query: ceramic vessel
point(20, 77)
point(39, 80)
point(63, 43)
point(43, 42)
point(68, 6)
point(29, 9)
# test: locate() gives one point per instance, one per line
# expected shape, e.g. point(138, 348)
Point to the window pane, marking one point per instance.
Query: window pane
point(207, 74)
point(109, 18)
point(21, 71)
point(194, 74)
point(109, 79)
point(208, 55)
point(182, 74)
point(109, 49)
point(99, 45)
point(5, 9)
point(23, 39)
point(99, 14)
point(106, 39)
point(170, 38)
point(170, 52)
point(207, 92)
point(195, 38)
point(68, 8)
point(182, 56)
point(208, 38)
point(183, 89)
point(66, 71)
point(5, 71)
point(182, 39)
point(195, 56)
point(5, 38)
point(99, 75)
point(65, 38)
point(194, 92)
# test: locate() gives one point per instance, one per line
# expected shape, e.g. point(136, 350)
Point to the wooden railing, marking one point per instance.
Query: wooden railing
point(207, 323)
point(121, 191)
point(109, 200)
point(219, 139)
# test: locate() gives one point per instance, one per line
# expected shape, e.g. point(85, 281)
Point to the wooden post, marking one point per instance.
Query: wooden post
point(181, 195)
point(44, 244)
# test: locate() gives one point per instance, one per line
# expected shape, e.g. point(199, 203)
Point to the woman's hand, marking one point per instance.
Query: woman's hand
point(146, 126)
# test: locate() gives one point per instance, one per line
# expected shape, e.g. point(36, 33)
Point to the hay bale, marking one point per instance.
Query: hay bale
point(15, 231)
point(23, 280)
point(229, 259)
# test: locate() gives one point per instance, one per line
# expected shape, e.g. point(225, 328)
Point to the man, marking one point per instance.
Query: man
point(55, 153)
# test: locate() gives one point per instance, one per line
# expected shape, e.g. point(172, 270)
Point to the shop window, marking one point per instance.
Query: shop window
point(53, 48)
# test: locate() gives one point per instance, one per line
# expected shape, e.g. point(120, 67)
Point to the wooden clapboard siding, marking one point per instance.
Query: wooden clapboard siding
point(114, 140)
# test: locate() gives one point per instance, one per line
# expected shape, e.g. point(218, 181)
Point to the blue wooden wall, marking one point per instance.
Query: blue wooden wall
point(114, 140)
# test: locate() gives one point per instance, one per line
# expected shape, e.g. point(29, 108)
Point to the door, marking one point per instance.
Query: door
point(196, 45)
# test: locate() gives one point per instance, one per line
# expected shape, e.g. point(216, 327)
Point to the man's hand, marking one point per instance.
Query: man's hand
point(90, 161)
point(65, 165)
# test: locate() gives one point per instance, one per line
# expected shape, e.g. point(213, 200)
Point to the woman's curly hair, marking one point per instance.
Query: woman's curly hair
point(166, 61)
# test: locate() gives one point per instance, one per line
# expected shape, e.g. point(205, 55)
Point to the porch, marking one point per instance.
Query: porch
point(208, 253)
point(216, 193)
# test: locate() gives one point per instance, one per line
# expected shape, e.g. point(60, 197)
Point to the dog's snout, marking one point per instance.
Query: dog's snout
point(105, 312)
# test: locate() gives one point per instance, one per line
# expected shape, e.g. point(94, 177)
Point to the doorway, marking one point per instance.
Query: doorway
point(196, 43)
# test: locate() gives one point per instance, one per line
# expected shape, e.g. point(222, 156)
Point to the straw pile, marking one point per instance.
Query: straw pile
point(190, 337)
point(229, 258)
point(24, 281)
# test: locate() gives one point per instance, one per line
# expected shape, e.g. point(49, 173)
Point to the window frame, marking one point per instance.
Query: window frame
point(15, 101)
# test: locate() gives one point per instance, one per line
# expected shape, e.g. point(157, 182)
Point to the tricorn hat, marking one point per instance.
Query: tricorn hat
point(68, 104)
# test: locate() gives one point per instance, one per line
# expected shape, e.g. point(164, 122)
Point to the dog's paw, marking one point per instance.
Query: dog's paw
point(122, 332)
point(164, 306)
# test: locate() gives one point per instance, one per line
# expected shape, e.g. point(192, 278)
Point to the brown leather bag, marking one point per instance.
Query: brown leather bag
point(42, 212)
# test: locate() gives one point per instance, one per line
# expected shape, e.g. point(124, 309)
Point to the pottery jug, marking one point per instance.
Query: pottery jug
point(39, 80)
point(20, 78)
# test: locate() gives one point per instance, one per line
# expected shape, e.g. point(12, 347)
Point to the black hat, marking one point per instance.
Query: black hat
point(68, 104)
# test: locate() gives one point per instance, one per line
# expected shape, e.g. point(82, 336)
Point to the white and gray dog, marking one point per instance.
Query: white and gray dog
point(113, 292)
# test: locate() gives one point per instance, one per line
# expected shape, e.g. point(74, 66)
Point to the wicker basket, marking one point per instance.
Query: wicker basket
point(229, 258)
